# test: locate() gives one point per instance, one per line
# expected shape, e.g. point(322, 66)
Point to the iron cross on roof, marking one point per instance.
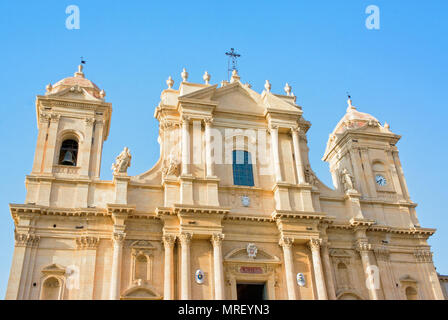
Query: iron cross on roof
point(233, 55)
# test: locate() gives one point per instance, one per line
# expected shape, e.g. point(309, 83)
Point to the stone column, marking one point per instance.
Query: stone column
point(364, 248)
point(432, 284)
point(218, 266)
point(298, 156)
point(185, 145)
point(87, 246)
point(185, 239)
point(118, 239)
point(400, 173)
point(20, 265)
point(208, 147)
point(382, 255)
point(275, 154)
point(314, 245)
point(44, 123)
point(286, 243)
point(84, 153)
point(168, 243)
point(328, 271)
point(50, 150)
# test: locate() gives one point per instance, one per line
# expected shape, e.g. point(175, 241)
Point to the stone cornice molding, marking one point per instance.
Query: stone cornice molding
point(187, 209)
point(289, 214)
point(18, 210)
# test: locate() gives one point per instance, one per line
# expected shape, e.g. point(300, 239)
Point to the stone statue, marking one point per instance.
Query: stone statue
point(310, 177)
point(347, 181)
point(172, 165)
point(122, 162)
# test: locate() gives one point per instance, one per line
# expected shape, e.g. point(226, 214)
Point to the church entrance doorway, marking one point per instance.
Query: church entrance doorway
point(251, 291)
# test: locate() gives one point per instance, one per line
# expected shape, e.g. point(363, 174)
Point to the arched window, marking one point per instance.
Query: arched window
point(411, 293)
point(51, 289)
point(68, 154)
point(242, 169)
point(141, 267)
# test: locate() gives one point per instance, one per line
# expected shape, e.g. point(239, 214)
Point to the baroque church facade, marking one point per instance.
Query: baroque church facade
point(232, 209)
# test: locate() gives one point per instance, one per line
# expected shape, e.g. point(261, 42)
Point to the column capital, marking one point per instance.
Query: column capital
point(217, 239)
point(87, 242)
point(423, 255)
point(185, 238)
point(119, 237)
point(90, 121)
point(168, 240)
point(26, 240)
point(382, 253)
point(314, 244)
point(185, 119)
point(363, 246)
point(286, 242)
point(208, 121)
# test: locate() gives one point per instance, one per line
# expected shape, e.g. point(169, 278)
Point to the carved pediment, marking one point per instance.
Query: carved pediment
point(240, 255)
point(75, 92)
point(141, 292)
point(340, 253)
point(408, 279)
point(142, 244)
point(54, 269)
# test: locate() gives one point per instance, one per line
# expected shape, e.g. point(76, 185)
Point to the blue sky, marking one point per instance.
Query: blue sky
point(321, 48)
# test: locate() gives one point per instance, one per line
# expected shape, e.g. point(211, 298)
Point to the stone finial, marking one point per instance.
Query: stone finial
point(206, 77)
point(235, 76)
point(288, 89)
point(184, 75)
point(267, 86)
point(102, 94)
point(79, 73)
point(49, 87)
point(386, 126)
point(170, 82)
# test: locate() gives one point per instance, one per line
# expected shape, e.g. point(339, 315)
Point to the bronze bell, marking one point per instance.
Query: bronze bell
point(69, 159)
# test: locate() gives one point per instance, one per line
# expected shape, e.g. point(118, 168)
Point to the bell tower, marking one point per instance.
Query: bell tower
point(363, 158)
point(73, 122)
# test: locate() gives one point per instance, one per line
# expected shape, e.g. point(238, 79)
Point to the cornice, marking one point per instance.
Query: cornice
point(290, 214)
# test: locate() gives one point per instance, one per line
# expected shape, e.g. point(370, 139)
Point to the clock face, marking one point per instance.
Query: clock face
point(380, 180)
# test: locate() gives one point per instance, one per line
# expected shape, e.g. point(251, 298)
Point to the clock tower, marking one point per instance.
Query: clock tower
point(363, 157)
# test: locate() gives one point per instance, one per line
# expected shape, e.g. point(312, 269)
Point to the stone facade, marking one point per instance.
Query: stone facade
point(185, 230)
